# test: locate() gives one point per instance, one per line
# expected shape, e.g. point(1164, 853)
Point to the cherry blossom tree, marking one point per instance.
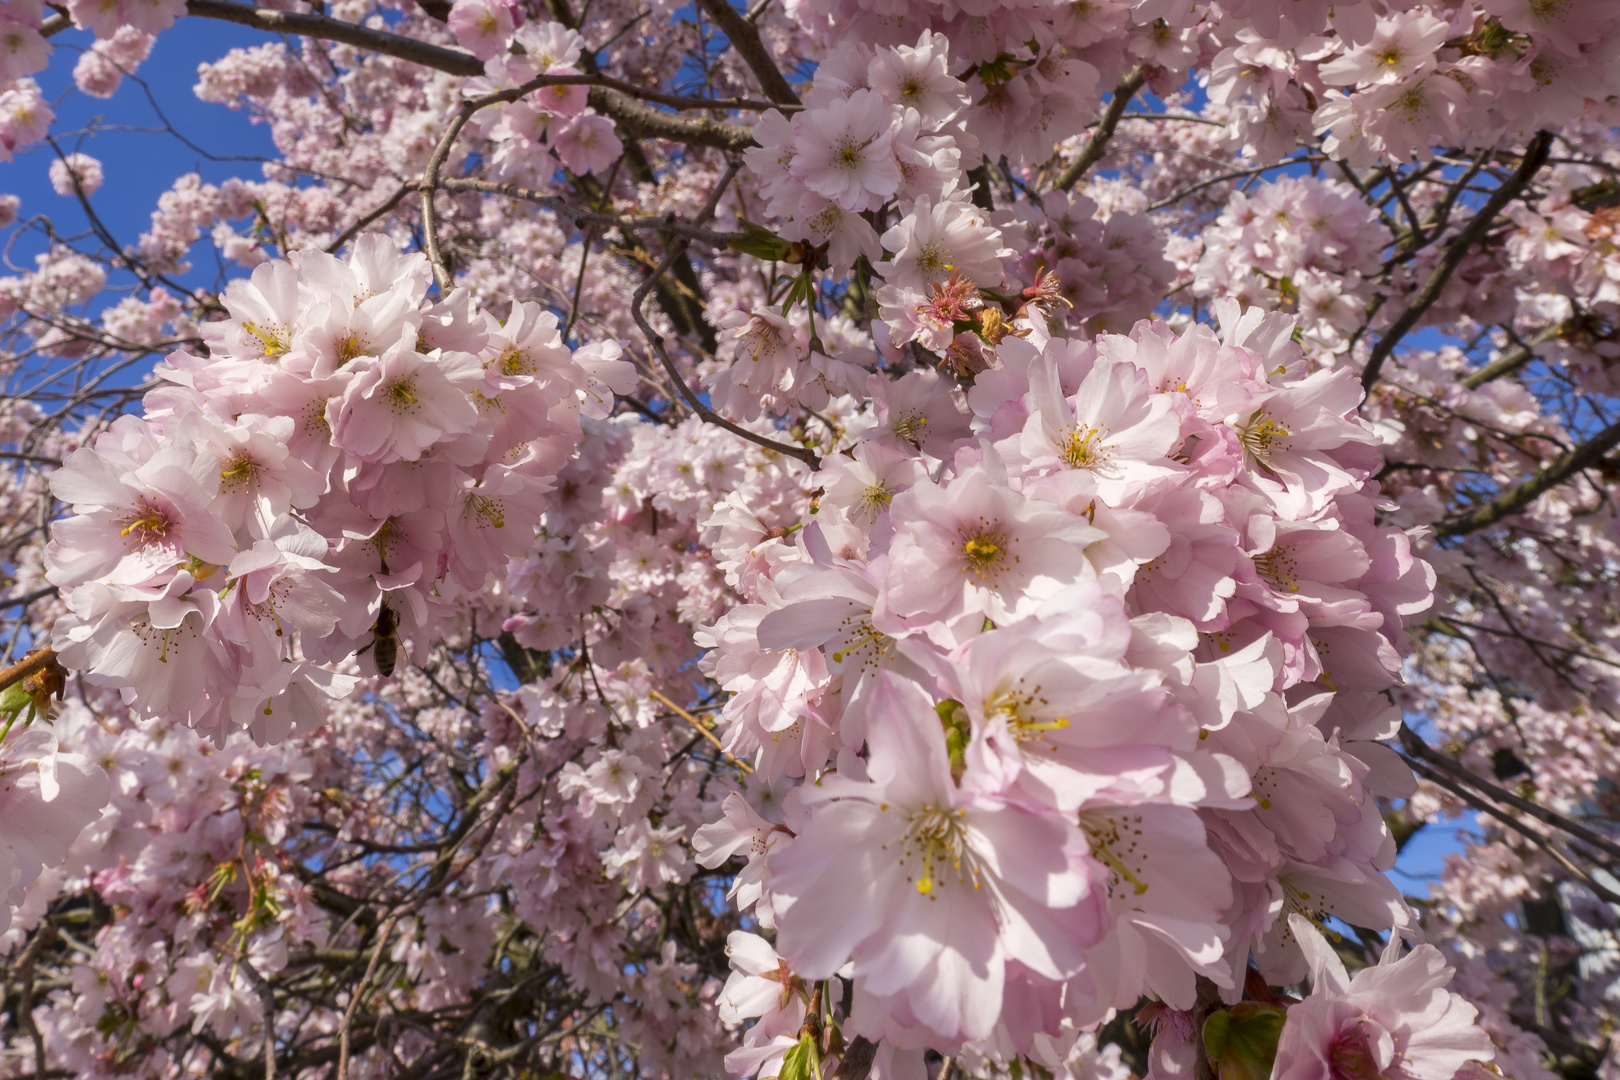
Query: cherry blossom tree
point(829, 539)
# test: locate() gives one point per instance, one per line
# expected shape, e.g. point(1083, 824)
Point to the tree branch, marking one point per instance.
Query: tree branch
point(1516, 357)
point(1414, 745)
point(637, 118)
point(438, 57)
point(744, 37)
point(32, 664)
point(644, 121)
point(1511, 502)
point(667, 224)
point(354, 230)
point(355, 997)
point(656, 340)
point(1435, 777)
point(1535, 156)
point(1098, 144)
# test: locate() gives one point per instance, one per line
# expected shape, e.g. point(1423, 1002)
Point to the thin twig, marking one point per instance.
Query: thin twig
point(705, 732)
point(1435, 777)
point(708, 415)
point(359, 993)
point(639, 223)
point(637, 118)
point(354, 230)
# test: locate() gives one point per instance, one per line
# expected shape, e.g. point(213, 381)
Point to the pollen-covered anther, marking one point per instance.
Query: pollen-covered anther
point(936, 837)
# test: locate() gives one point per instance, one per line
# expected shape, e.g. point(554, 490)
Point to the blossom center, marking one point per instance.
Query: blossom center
point(402, 397)
point(760, 338)
point(238, 473)
point(909, 426)
point(876, 498)
point(315, 423)
point(1262, 436)
point(1411, 104)
point(351, 346)
point(145, 523)
point(847, 154)
point(1116, 842)
point(490, 512)
point(984, 553)
point(1351, 1057)
point(514, 361)
point(274, 339)
point(828, 219)
point(1082, 448)
point(863, 638)
point(1021, 711)
point(933, 259)
point(1278, 568)
point(936, 837)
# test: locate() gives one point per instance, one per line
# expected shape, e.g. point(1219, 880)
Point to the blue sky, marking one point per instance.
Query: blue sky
point(140, 163)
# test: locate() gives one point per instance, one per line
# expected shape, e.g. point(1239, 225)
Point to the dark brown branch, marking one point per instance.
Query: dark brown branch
point(674, 101)
point(667, 224)
point(27, 598)
point(656, 340)
point(638, 119)
point(744, 37)
point(1098, 144)
point(1535, 156)
point(644, 121)
point(1414, 745)
point(704, 413)
point(1511, 502)
point(1438, 779)
point(451, 61)
point(1516, 357)
point(355, 997)
point(43, 937)
point(32, 664)
point(354, 230)
point(37, 459)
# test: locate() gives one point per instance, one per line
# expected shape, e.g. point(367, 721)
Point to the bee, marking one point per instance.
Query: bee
point(385, 641)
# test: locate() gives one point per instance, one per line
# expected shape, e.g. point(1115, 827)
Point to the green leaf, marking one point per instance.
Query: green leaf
point(761, 243)
point(999, 70)
point(958, 732)
point(803, 288)
point(1216, 1028)
point(802, 1062)
point(1242, 1041)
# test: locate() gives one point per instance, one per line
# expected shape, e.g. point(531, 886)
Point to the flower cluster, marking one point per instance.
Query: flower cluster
point(1020, 647)
point(1118, 618)
point(349, 460)
point(556, 118)
point(1301, 242)
point(1111, 271)
point(877, 125)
